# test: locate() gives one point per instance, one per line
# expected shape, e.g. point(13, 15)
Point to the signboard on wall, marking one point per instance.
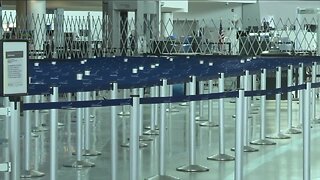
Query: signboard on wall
point(13, 65)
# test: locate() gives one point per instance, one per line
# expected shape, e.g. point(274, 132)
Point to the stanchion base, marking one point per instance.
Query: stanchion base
point(293, 131)
point(221, 157)
point(151, 132)
point(39, 129)
point(141, 145)
point(184, 104)
point(234, 116)
point(34, 135)
point(145, 138)
point(262, 142)
point(162, 177)
point(32, 174)
point(60, 124)
point(247, 149)
point(209, 124)
point(92, 116)
point(91, 153)
point(172, 110)
point(278, 136)
point(124, 113)
point(232, 101)
point(72, 109)
point(192, 168)
point(201, 118)
point(149, 127)
point(80, 164)
point(44, 111)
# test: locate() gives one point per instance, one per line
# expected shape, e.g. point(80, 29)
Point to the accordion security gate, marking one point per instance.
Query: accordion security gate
point(63, 37)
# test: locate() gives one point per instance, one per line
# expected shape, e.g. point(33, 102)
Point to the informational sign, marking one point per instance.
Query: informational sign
point(14, 77)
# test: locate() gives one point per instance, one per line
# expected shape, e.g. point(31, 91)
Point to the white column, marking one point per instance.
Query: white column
point(36, 11)
point(167, 24)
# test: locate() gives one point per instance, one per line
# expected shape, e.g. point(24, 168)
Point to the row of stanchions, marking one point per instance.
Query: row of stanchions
point(243, 106)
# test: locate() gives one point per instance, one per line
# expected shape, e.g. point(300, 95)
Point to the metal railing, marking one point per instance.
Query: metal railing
point(52, 36)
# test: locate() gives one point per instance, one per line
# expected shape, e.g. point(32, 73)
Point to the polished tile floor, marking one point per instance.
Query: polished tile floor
point(279, 162)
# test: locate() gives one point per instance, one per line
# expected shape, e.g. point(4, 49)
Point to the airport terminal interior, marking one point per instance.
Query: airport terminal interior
point(159, 89)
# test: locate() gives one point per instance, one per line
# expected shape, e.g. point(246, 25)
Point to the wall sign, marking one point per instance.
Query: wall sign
point(13, 62)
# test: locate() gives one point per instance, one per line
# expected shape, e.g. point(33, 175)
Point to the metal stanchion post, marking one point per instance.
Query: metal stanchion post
point(114, 136)
point(306, 134)
point(79, 163)
point(263, 140)
point(162, 144)
point(125, 111)
point(152, 130)
point(38, 126)
point(278, 134)
point(313, 95)
point(291, 129)
point(54, 136)
point(134, 136)
point(171, 108)
point(14, 140)
point(192, 166)
point(28, 172)
point(222, 156)
point(155, 109)
point(87, 141)
point(210, 122)
point(246, 128)
point(255, 109)
point(141, 136)
point(300, 92)
point(201, 117)
point(238, 175)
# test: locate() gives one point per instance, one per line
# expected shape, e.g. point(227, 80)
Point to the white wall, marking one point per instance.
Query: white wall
point(284, 9)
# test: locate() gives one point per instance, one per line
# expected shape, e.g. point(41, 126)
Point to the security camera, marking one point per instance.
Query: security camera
point(227, 3)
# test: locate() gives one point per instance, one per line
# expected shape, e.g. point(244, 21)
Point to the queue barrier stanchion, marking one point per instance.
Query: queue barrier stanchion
point(54, 136)
point(278, 134)
point(38, 126)
point(306, 133)
point(262, 140)
point(291, 129)
point(222, 156)
point(125, 111)
point(134, 136)
point(255, 110)
point(135, 91)
point(246, 146)
point(210, 122)
point(313, 94)
point(201, 117)
point(162, 139)
point(171, 107)
point(155, 108)
point(79, 162)
point(192, 166)
point(114, 135)
point(87, 131)
point(238, 168)
point(14, 139)
point(141, 119)
point(27, 171)
point(152, 130)
point(300, 92)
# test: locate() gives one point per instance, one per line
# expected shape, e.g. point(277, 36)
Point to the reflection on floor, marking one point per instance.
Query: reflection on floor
point(280, 162)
